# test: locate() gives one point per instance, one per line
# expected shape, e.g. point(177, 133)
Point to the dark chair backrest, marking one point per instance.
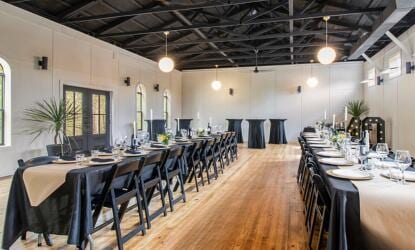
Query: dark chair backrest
point(322, 189)
point(173, 155)
point(309, 129)
point(152, 164)
point(41, 160)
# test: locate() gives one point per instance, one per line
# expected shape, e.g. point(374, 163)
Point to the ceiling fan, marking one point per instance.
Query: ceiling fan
point(256, 70)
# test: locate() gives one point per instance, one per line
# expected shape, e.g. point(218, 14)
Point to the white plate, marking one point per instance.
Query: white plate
point(104, 154)
point(154, 149)
point(350, 174)
point(336, 161)
point(330, 149)
point(320, 145)
point(317, 142)
point(385, 164)
point(409, 175)
point(60, 161)
point(333, 154)
point(133, 155)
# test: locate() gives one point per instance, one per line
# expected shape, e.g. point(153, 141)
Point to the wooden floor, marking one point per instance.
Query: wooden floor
point(255, 204)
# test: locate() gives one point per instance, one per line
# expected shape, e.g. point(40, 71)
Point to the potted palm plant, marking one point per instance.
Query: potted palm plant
point(49, 116)
point(356, 109)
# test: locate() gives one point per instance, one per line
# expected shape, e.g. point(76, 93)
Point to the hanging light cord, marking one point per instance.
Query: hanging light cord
point(326, 35)
point(166, 44)
point(216, 75)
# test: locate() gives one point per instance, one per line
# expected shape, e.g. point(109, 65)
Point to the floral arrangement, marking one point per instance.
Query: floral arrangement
point(200, 132)
point(165, 138)
point(321, 124)
point(338, 137)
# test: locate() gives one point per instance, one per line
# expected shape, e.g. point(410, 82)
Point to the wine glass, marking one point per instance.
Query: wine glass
point(80, 158)
point(382, 150)
point(403, 160)
point(184, 133)
point(362, 153)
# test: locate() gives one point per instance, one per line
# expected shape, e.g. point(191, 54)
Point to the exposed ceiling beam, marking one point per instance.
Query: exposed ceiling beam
point(242, 38)
point(392, 14)
point(257, 21)
point(175, 7)
point(77, 8)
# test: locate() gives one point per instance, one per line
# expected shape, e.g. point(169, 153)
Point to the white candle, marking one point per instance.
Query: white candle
point(210, 120)
point(198, 115)
point(334, 120)
point(345, 113)
point(325, 114)
point(151, 114)
point(178, 123)
point(135, 129)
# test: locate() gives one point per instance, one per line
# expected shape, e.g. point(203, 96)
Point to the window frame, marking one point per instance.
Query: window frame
point(139, 111)
point(2, 104)
point(371, 76)
point(393, 73)
point(166, 107)
point(99, 114)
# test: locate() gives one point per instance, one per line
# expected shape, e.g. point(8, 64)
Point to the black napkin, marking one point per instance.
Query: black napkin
point(131, 151)
point(101, 160)
point(106, 150)
point(68, 158)
point(153, 145)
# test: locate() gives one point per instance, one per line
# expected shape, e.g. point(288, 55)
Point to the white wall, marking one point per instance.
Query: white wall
point(76, 59)
point(271, 94)
point(393, 100)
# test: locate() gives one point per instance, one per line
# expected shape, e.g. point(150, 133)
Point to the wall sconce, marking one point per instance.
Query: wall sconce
point(231, 91)
point(379, 80)
point(127, 81)
point(409, 67)
point(156, 87)
point(299, 89)
point(43, 62)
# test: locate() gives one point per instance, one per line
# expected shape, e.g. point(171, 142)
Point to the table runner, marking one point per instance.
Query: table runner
point(42, 181)
point(387, 213)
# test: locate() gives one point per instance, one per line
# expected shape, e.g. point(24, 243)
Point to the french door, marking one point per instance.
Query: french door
point(90, 121)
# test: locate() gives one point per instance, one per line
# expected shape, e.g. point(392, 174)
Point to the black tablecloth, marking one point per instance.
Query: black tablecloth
point(234, 125)
point(277, 132)
point(155, 127)
point(256, 137)
point(67, 211)
point(184, 124)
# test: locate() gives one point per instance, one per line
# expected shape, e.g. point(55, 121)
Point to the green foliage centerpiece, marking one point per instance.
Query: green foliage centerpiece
point(49, 116)
point(356, 109)
point(165, 138)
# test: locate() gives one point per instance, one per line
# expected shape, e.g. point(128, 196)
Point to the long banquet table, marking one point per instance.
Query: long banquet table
point(345, 227)
point(67, 211)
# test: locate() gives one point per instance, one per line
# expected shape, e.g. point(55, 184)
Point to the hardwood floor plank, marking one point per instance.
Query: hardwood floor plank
point(255, 204)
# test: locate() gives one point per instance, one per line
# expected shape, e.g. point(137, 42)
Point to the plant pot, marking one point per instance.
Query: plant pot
point(354, 127)
point(57, 149)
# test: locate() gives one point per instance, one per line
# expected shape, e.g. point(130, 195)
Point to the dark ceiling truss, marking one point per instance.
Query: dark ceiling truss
point(225, 32)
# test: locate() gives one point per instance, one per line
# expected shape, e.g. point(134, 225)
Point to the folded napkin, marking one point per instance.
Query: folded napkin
point(102, 160)
point(153, 145)
point(68, 158)
point(131, 151)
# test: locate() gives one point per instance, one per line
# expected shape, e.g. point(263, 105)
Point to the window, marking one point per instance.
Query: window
point(2, 77)
point(139, 98)
point(99, 114)
point(5, 104)
point(395, 65)
point(166, 108)
point(371, 76)
point(74, 100)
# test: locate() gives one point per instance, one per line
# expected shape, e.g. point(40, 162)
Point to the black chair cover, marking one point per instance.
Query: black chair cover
point(234, 125)
point(155, 127)
point(277, 132)
point(184, 124)
point(256, 137)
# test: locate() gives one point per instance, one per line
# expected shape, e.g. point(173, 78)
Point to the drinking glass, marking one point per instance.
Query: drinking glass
point(80, 158)
point(184, 133)
point(115, 153)
point(362, 153)
point(383, 150)
point(403, 160)
point(94, 153)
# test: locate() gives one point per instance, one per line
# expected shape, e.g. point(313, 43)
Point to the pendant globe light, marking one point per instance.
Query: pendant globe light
point(326, 55)
point(216, 84)
point(166, 64)
point(312, 81)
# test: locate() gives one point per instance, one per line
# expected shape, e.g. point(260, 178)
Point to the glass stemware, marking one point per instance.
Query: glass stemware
point(382, 150)
point(362, 153)
point(403, 160)
point(184, 133)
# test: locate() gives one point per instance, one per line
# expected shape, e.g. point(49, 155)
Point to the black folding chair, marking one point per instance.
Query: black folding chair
point(118, 197)
point(208, 159)
point(171, 169)
point(217, 155)
point(150, 179)
point(194, 164)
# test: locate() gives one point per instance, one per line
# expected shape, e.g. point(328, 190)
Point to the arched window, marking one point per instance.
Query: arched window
point(5, 82)
point(166, 107)
point(140, 107)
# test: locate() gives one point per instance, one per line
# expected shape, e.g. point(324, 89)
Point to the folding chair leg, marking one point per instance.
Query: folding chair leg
point(115, 214)
point(321, 231)
point(180, 177)
point(144, 195)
